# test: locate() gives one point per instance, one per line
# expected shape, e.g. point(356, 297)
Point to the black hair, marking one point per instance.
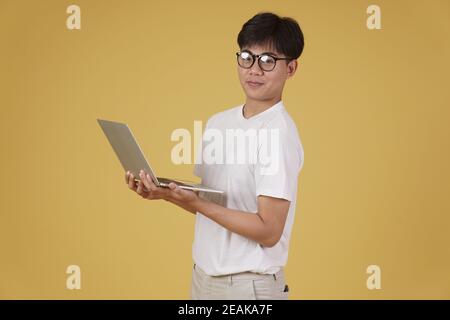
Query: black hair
point(280, 33)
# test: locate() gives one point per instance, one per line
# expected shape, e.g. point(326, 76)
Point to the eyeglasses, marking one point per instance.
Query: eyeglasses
point(266, 62)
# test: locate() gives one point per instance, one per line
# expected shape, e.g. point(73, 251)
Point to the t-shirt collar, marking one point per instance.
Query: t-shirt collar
point(266, 113)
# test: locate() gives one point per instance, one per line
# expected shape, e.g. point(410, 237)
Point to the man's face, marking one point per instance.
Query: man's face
point(272, 82)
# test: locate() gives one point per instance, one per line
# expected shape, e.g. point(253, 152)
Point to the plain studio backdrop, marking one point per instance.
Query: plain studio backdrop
point(371, 107)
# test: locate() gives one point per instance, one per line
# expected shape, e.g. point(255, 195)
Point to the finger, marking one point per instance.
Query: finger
point(173, 186)
point(151, 184)
point(127, 174)
point(139, 188)
point(144, 180)
point(176, 189)
point(131, 183)
point(178, 192)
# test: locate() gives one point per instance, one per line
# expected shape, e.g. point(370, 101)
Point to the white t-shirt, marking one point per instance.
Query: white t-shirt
point(217, 250)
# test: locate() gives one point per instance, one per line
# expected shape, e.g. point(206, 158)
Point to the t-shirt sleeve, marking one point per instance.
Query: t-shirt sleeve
point(276, 171)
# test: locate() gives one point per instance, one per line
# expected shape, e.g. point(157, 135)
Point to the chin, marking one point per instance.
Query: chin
point(254, 96)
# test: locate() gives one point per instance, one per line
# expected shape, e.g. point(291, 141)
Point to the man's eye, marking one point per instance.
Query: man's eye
point(246, 56)
point(267, 60)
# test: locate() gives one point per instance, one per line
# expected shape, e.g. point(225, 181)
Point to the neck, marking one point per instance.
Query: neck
point(253, 107)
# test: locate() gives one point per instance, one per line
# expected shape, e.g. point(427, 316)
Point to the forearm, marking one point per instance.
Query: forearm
point(249, 225)
point(182, 205)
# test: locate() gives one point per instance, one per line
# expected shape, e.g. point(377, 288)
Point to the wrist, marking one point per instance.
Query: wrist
point(166, 197)
point(197, 203)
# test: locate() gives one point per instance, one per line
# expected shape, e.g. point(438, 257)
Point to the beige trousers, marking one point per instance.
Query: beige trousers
point(239, 286)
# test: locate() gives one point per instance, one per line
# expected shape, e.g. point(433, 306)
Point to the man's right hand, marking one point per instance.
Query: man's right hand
point(153, 193)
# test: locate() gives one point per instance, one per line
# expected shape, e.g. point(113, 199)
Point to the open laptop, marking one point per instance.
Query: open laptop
point(132, 159)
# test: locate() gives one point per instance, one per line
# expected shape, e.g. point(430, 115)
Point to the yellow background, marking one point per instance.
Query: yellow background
point(372, 109)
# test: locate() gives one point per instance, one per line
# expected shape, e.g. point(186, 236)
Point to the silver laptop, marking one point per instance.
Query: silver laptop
point(132, 159)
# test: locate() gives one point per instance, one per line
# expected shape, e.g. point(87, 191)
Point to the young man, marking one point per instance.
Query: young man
point(242, 238)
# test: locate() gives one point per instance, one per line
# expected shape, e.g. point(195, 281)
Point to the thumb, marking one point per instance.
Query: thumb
point(179, 193)
point(174, 187)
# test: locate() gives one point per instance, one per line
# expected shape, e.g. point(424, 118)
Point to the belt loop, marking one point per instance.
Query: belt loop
point(274, 277)
point(194, 266)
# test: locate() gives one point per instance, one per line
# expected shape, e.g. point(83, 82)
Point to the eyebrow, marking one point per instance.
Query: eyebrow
point(267, 52)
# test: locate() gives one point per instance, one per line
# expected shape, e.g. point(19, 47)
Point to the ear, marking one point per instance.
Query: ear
point(292, 68)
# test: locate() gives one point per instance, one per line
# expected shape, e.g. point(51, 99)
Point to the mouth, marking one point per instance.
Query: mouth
point(254, 84)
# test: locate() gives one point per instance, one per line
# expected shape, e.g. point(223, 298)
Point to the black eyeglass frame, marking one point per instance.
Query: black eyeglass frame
point(258, 57)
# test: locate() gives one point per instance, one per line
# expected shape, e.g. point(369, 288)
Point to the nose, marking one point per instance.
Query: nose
point(255, 69)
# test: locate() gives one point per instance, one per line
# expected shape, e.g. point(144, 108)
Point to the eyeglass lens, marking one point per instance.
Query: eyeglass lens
point(266, 62)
